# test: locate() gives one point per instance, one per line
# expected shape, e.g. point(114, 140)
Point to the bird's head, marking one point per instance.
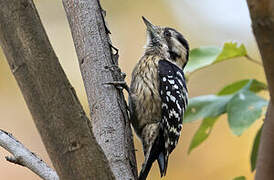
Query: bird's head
point(167, 42)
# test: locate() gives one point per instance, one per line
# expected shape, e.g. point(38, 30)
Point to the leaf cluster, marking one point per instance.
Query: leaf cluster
point(239, 100)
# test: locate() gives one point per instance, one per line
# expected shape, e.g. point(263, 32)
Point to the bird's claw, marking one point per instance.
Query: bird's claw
point(119, 85)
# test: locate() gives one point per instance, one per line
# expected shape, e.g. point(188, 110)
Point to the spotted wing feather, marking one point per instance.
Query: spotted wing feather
point(173, 92)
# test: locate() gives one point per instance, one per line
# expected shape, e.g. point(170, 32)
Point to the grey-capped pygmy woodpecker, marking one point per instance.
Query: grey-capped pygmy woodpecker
point(158, 95)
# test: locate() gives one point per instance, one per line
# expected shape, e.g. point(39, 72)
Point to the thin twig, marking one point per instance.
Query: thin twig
point(253, 60)
point(22, 156)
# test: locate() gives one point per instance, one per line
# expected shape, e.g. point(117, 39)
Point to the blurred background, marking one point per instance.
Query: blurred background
point(203, 22)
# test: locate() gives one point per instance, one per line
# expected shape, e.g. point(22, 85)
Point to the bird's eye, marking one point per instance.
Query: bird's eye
point(167, 33)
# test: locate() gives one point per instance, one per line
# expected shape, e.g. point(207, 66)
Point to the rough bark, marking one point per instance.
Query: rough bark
point(51, 99)
point(99, 67)
point(262, 16)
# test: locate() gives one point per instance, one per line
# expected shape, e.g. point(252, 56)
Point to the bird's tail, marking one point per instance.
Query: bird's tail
point(158, 153)
point(145, 169)
point(162, 162)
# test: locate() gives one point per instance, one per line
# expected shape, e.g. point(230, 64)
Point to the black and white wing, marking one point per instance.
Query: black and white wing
point(173, 92)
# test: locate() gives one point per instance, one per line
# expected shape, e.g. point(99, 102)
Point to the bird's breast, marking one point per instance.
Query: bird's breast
point(144, 93)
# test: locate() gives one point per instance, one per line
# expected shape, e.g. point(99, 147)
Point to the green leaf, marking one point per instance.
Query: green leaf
point(254, 86)
point(201, 57)
point(255, 148)
point(206, 106)
point(202, 133)
point(240, 178)
point(205, 56)
point(243, 109)
point(231, 50)
point(211, 105)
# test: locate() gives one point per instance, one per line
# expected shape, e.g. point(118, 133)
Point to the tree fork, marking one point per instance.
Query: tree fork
point(51, 99)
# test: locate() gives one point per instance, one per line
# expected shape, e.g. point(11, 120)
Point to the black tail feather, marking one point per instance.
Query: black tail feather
point(157, 152)
point(146, 168)
point(162, 164)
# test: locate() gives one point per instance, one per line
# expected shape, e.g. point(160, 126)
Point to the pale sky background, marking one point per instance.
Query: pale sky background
point(230, 18)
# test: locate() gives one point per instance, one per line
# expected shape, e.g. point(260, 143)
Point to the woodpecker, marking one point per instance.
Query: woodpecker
point(158, 95)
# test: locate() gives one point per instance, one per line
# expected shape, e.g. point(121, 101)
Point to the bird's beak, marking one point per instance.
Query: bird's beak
point(150, 27)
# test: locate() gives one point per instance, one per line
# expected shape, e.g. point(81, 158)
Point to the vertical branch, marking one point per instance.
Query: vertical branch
point(51, 99)
point(107, 105)
point(262, 16)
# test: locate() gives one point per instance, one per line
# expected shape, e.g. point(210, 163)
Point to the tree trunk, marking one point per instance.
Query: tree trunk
point(98, 67)
point(262, 16)
point(50, 97)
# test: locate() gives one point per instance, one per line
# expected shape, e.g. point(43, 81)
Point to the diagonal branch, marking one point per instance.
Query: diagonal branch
point(99, 67)
point(52, 101)
point(22, 156)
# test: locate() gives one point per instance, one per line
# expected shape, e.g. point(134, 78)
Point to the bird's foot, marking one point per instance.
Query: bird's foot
point(119, 85)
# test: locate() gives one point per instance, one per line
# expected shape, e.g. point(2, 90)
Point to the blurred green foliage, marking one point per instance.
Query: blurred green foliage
point(239, 178)
point(206, 56)
point(255, 148)
point(239, 100)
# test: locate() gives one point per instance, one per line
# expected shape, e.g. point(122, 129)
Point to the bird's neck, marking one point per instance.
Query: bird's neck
point(157, 51)
point(152, 51)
